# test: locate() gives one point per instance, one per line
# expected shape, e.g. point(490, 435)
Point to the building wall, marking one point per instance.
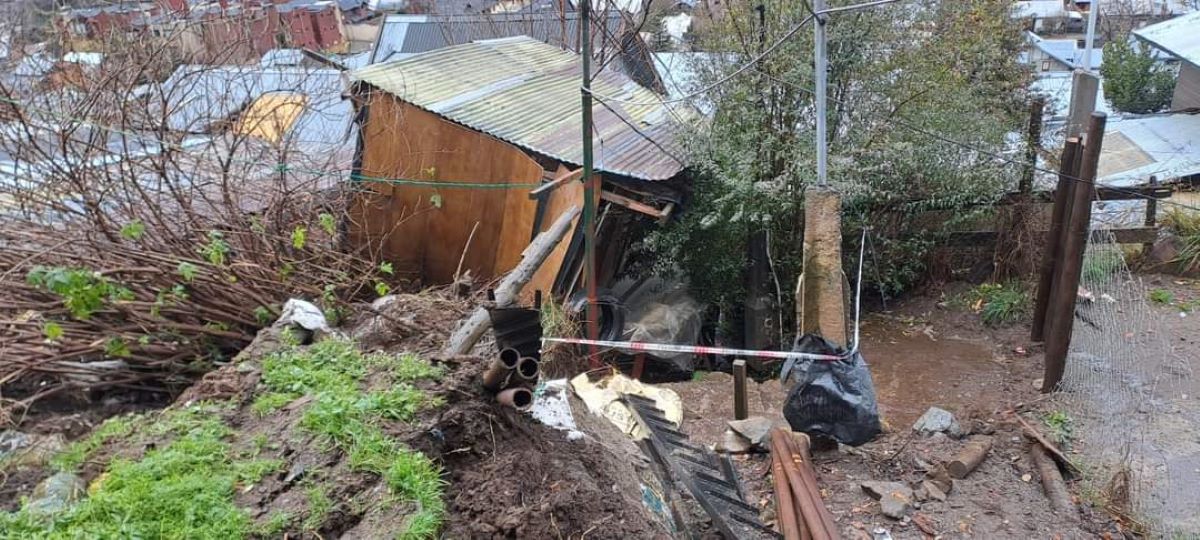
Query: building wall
point(1187, 89)
point(425, 230)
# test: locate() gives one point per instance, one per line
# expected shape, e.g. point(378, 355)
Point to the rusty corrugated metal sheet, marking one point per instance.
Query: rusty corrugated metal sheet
point(527, 93)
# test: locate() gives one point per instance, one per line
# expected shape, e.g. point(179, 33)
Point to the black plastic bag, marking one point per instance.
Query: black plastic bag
point(831, 398)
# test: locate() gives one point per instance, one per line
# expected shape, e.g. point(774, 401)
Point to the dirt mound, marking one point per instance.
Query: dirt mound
point(503, 475)
point(511, 477)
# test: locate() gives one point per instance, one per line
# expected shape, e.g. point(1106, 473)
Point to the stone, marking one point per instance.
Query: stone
point(938, 420)
point(733, 443)
point(21, 450)
point(941, 479)
point(756, 429)
point(56, 493)
point(933, 491)
point(895, 499)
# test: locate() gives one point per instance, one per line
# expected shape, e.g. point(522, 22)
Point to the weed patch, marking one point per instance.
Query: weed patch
point(184, 489)
point(349, 418)
point(997, 304)
point(1061, 427)
point(1186, 226)
point(79, 452)
point(1161, 296)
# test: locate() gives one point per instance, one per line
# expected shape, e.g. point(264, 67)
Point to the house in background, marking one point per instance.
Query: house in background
point(455, 139)
point(1049, 55)
point(1179, 37)
point(405, 35)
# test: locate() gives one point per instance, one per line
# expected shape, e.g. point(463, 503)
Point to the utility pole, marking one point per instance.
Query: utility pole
point(589, 185)
point(1090, 40)
point(822, 75)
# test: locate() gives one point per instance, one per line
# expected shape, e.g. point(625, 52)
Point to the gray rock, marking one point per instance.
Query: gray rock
point(895, 499)
point(755, 429)
point(20, 450)
point(56, 494)
point(938, 420)
point(733, 443)
point(11, 441)
point(934, 491)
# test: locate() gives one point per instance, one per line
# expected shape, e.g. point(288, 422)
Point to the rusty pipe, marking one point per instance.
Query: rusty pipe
point(498, 373)
point(529, 369)
point(518, 398)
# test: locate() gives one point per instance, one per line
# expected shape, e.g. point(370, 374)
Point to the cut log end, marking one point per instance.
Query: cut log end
point(967, 459)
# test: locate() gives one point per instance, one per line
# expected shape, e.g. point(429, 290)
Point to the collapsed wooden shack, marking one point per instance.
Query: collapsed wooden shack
point(467, 152)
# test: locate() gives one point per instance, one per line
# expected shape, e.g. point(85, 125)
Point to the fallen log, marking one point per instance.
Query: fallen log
point(1052, 481)
point(467, 335)
point(972, 454)
point(1037, 436)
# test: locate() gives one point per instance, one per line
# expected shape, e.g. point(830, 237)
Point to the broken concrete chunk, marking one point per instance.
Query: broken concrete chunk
point(755, 429)
point(938, 420)
point(934, 491)
point(895, 498)
point(734, 443)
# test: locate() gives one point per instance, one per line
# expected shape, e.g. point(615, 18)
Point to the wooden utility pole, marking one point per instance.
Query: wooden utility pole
point(1070, 266)
point(1067, 170)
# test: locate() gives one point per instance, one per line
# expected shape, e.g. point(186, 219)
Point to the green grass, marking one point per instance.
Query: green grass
point(1186, 226)
point(998, 304)
point(319, 507)
point(1100, 266)
point(350, 418)
point(1161, 296)
point(1061, 427)
point(183, 489)
point(270, 402)
point(78, 452)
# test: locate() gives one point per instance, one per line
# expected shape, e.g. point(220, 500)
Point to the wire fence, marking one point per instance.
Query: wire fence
point(1120, 394)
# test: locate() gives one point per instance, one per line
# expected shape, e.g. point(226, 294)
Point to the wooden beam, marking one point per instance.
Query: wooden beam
point(1132, 235)
point(636, 206)
point(555, 184)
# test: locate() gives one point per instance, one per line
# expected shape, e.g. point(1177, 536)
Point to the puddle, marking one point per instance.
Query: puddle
point(914, 372)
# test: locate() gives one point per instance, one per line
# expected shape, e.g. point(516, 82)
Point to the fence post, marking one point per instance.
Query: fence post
point(741, 409)
point(1074, 243)
point(1151, 217)
point(1050, 257)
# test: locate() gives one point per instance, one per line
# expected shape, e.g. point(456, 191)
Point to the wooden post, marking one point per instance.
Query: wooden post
point(1151, 217)
point(741, 407)
point(639, 365)
point(1062, 195)
point(1075, 238)
point(1034, 144)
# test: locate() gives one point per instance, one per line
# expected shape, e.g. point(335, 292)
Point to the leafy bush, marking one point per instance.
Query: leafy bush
point(1134, 80)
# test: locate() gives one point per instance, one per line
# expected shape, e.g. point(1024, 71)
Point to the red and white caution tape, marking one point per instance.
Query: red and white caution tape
point(639, 346)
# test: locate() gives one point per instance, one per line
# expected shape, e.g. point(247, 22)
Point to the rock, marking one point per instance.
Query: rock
point(733, 443)
point(938, 420)
point(21, 450)
point(933, 491)
point(56, 494)
point(303, 314)
point(755, 429)
point(940, 479)
point(895, 499)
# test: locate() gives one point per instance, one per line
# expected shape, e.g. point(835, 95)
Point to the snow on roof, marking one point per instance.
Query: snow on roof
point(1179, 36)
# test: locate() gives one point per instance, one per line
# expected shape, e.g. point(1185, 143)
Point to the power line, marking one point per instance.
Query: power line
point(706, 89)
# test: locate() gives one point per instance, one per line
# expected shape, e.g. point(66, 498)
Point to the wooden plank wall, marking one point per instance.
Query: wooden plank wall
point(422, 230)
point(557, 202)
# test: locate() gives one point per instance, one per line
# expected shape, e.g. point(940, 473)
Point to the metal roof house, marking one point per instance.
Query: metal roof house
point(405, 35)
point(466, 152)
point(1181, 38)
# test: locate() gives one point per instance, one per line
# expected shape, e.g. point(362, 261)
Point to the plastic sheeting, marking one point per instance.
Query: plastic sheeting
point(835, 399)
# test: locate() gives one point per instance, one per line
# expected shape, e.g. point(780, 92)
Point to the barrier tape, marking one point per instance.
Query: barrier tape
point(640, 346)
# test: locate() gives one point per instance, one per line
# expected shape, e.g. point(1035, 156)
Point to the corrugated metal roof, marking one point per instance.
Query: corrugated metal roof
point(1179, 36)
point(527, 93)
point(405, 35)
point(1163, 145)
point(198, 96)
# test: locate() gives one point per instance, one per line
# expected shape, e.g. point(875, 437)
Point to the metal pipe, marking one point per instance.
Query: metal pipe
point(529, 369)
point(822, 74)
point(498, 373)
point(518, 398)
